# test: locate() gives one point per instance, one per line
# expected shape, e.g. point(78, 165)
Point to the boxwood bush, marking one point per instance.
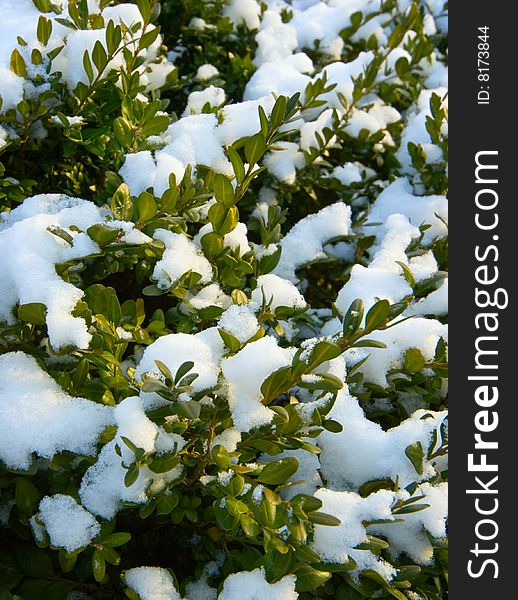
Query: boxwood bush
point(223, 299)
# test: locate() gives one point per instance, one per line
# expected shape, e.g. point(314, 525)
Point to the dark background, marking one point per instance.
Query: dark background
point(475, 128)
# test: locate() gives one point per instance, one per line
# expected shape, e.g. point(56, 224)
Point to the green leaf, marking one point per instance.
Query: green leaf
point(323, 351)
point(373, 486)
point(407, 274)
point(26, 496)
point(309, 579)
point(223, 190)
point(412, 508)
point(17, 64)
point(212, 244)
point(155, 125)
point(275, 384)
point(332, 426)
point(121, 204)
point(353, 318)
point(146, 206)
point(117, 539)
point(183, 369)
point(67, 561)
point(413, 361)
point(377, 316)
point(306, 502)
point(123, 131)
point(266, 447)
point(279, 471)
point(36, 57)
point(402, 66)
point(231, 342)
point(373, 543)
point(98, 566)
point(87, 65)
point(368, 343)
point(80, 373)
point(103, 234)
point(278, 112)
point(415, 455)
point(224, 219)
point(42, 5)
point(99, 56)
point(320, 518)
point(164, 462)
point(255, 147)
point(44, 30)
point(188, 409)
point(113, 36)
point(113, 309)
point(324, 381)
point(149, 37)
point(263, 120)
point(220, 456)
point(249, 526)
point(237, 164)
point(166, 503)
point(144, 7)
point(131, 476)
point(306, 554)
point(33, 312)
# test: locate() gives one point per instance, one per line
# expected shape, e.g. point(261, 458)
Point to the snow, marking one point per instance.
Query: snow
point(309, 130)
point(410, 536)
point(11, 88)
point(192, 140)
point(243, 12)
point(275, 41)
point(68, 524)
point(235, 239)
point(204, 349)
point(349, 173)
point(399, 198)
point(307, 475)
point(206, 71)
point(151, 583)
point(213, 96)
point(336, 544)
point(229, 439)
point(436, 303)
point(278, 291)
point(252, 585)
point(210, 295)
point(36, 415)
point(284, 162)
point(20, 18)
point(375, 119)
point(363, 451)
point(242, 119)
point(341, 75)
point(240, 321)
point(31, 253)
point(285, 76)
point(417, 332)
point(244, 373)
point(415, 128)
point(102, 488)
point(305, 240)
point(383, 278)
point(180, 256)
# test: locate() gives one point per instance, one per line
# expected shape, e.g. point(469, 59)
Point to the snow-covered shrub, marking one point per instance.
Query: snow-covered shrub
point(223, 299)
